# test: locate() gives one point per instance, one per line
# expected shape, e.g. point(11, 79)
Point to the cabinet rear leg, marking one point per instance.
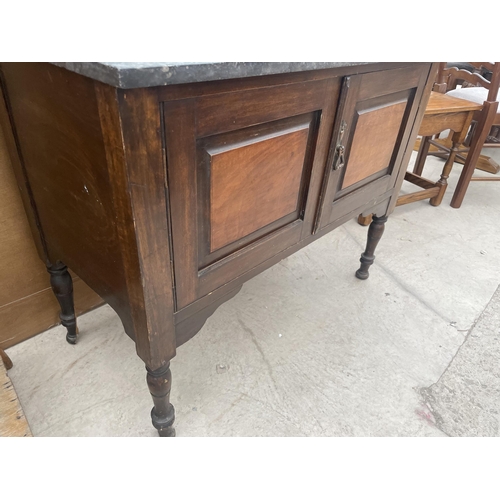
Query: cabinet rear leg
point(375, 232)
point(163, 413)
point(62, 286)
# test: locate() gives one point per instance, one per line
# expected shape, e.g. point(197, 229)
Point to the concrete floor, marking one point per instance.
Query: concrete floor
point(306, 349)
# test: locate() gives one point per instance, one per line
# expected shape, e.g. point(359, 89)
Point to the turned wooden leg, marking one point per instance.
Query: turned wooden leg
point(62, 286)
point(375, 232)
point(443, 181)
point(6, 360)
point(163, 413)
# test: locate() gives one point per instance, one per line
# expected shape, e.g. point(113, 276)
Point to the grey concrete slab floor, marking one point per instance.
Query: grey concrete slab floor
point(305, 349)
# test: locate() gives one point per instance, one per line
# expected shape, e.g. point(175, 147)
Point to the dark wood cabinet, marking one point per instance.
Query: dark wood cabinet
point(242, 170)
point(165, 199)
point(369, 139)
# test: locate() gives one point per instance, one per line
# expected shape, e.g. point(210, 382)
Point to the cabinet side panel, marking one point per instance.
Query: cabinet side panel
point(56, 119)
point(14, 154)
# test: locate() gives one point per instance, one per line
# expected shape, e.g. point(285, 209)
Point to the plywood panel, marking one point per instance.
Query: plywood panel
point(21, 272)
point(27, 306)
point(36, 313)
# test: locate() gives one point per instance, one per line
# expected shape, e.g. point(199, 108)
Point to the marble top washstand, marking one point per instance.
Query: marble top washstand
point(129, 75)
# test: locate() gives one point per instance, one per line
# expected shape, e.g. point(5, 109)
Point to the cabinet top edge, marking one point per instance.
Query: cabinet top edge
point(129, 75)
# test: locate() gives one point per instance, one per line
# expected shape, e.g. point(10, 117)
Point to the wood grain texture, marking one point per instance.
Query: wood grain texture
point(144, 157)
point(179, 250)
point(57, 122)
point(234, 111)
point(254, 184)
point(442, 102)
point(10, 140)
point(176, 92)
point(376, 130)
point(434, 124)
point(373, 91)
point(24, 278)
point(13, 422)
point(425, 194)
point(200, 266)
point(389, 81)
point(18, 255)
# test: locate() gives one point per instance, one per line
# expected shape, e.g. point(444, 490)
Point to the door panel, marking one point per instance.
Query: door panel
point(374, 111)
point(376, 130)
point(240, 166)
point(253, 179)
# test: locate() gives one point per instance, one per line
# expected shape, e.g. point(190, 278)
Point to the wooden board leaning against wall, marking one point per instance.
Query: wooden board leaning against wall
point(27, 304)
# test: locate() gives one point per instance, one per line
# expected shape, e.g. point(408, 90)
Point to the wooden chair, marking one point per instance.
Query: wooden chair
point(477, 88)
point(443, 112)
point(486, 118)
point(479, 83)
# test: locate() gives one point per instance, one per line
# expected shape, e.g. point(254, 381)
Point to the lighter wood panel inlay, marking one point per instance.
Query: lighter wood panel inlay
point(374, 140)
point(254, 183)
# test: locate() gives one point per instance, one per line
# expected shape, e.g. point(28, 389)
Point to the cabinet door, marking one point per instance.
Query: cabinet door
point(372, 128)
point(240, 169)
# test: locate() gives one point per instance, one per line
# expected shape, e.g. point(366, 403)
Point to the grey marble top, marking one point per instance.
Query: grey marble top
point(143, 74)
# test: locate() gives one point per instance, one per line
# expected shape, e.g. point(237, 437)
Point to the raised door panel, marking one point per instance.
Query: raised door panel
point(369, 139)
point(254, 180)
point(377, 129)
point(240, 166)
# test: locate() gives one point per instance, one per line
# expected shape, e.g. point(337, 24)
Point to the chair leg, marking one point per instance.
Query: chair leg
point(443, 181)
point(423, 151)
point(484, 124)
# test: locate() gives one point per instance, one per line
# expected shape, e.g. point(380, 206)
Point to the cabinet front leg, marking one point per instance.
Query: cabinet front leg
point(375, 232)
point(62, 286)
point(163, 413)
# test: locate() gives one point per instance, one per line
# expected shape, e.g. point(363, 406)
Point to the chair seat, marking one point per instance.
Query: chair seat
point(475, 94)
point(446, 103)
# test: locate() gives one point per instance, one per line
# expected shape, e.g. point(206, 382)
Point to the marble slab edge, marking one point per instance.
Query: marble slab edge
point(135, 75)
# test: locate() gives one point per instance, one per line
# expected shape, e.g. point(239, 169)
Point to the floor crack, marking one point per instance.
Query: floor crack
point(264, 358)
point(426, 392)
